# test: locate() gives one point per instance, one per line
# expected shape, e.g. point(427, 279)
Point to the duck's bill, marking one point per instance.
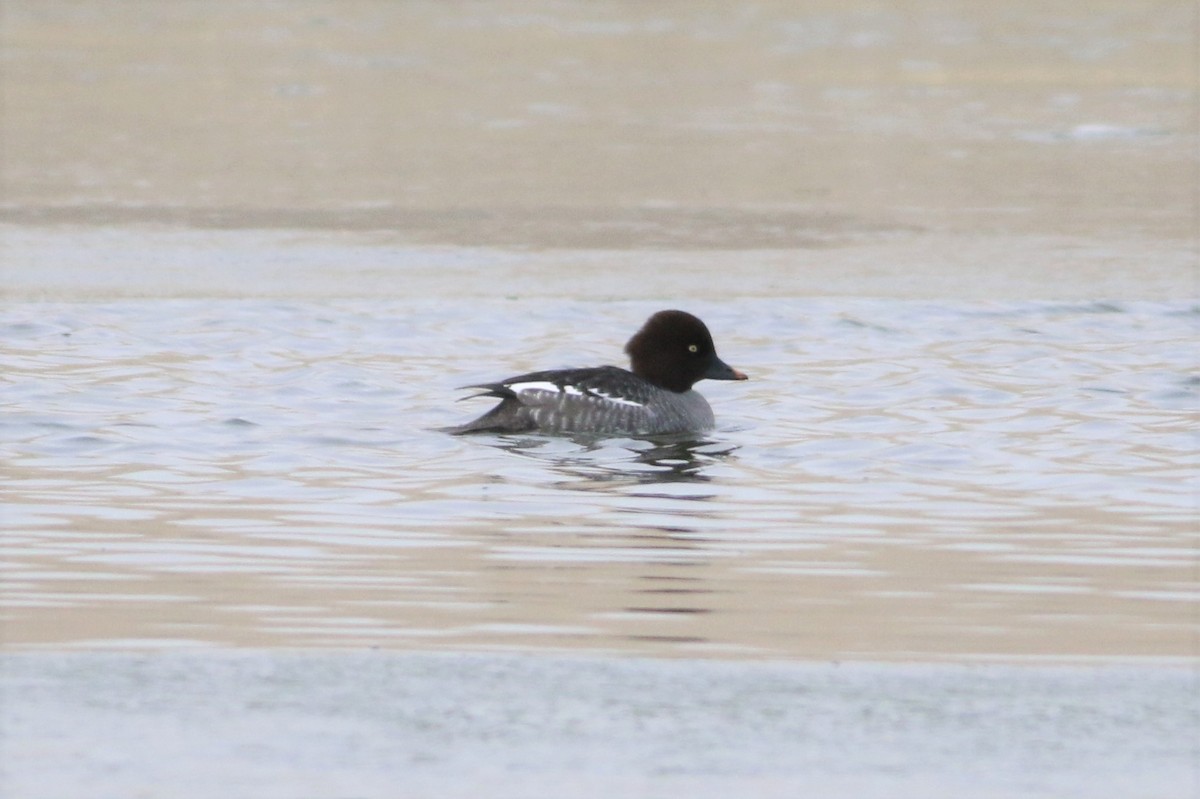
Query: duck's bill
point(719, 370)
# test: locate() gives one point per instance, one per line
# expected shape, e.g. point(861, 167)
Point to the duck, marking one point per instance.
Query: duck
point(671, 352)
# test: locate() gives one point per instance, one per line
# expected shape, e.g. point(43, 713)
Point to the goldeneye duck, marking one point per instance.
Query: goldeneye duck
point(671, 352)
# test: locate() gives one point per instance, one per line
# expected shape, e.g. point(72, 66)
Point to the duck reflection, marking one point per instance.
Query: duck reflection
point(593, 462)
point(649, 567)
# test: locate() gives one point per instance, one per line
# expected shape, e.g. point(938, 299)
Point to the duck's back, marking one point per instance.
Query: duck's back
point(604, 400)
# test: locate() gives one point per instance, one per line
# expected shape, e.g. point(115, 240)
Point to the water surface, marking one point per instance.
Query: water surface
point(282, 723)
point(898, 480)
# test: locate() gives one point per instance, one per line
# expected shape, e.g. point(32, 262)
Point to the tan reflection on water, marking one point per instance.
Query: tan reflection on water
point(153, 569)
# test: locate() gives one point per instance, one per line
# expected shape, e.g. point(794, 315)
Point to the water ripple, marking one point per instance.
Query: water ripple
point(897, 478)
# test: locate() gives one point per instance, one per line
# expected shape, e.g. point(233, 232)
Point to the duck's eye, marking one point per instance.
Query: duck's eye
point(693, 348)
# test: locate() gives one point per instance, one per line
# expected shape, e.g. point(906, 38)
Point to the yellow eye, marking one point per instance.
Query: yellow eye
point(693, 348)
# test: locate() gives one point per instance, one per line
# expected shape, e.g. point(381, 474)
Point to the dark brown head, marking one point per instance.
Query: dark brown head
point(674, 350)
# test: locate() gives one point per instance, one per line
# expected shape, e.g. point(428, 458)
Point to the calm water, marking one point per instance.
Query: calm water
point(277, 724)
point(899, 479)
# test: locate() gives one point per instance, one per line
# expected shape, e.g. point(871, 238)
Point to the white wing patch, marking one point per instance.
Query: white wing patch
point(543, 385)
point(617, 400)
point(570, 390)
